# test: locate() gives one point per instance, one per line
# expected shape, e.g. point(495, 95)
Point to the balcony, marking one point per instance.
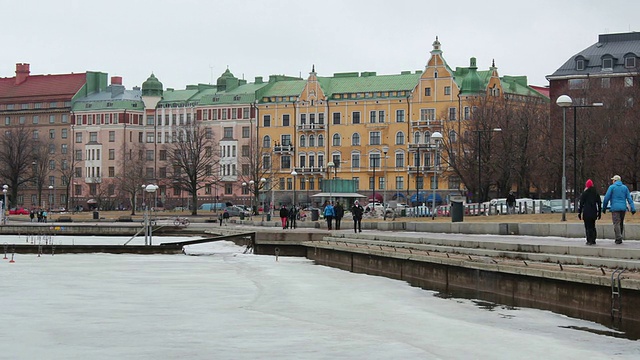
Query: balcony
point(311, 127)
point(424, 169)
point(284, 149)
point(93, 180)
point(421, 147)
point(311, 170)
point(425, 124)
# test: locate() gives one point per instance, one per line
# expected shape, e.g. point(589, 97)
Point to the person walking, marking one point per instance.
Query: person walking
point(284, 214)
point(357, 210)
point(329, 214)
point(589, 211)
point(226, 217)
point(618, 194)
point(339, 210)
point(511, 203)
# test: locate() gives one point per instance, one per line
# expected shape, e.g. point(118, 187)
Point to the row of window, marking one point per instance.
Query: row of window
point(605, 83)
point(38, 105)
point(375, 138)
point(35, 119)
point(608, 62)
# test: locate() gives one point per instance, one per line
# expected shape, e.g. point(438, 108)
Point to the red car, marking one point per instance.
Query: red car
point(18, 211)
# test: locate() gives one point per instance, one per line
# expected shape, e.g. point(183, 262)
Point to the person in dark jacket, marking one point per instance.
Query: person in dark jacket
point(293, 214)
point(284, 214)
point(589, 211)
point(357, 210)
point(339, 210)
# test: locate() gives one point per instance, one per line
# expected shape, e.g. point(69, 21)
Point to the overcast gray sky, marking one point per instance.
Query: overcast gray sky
point(193, 41)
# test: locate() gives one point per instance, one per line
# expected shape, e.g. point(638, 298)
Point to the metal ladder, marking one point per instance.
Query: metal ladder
point(616, 296)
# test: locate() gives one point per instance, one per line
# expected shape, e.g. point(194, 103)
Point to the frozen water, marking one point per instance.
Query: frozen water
point(225, 304)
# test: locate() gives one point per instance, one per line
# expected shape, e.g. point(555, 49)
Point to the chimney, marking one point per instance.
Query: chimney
point(116, 80)
point(22, 73)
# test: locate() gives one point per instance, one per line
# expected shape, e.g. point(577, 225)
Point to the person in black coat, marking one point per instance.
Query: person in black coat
point(293, 214)
point(284, 215)
point(589, 211)
point(357, 210)
point(339, 215)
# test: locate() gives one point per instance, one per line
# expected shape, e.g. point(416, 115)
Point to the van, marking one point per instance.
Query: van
point(212, 206)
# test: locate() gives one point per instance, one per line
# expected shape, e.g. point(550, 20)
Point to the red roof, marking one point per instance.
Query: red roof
point(544, 90)
point(35, 86)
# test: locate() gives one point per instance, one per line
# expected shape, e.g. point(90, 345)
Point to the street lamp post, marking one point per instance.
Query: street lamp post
point(436, 137)
point(373, 163)
point(576, 195)
point(251, 189)
point(564, 101)
point(148, 232)
point(294, 174)
point(479, 132)
point(262, 182)
point(385, 150)
point(308, 180)
point(244, 190)
point(50, 197)
point(5, 188)
point(329, 166)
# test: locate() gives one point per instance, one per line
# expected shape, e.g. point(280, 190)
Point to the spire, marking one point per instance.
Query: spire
point(436, 47)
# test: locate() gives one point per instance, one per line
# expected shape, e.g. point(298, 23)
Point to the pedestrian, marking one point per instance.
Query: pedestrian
point(618, 194)
point(284, 214)
point(589, 211)
point(32, 214)
point(293, 213)
point(39, 215)
point(329, 213)
point(44, 216)
point(225, 217)
point(511, 203)
point(357, 210)
point(220, 218)
point(339, 210)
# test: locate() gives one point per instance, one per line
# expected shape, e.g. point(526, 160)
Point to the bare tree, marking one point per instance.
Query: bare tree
point(16, 156)
point(131, 177)
point(193, 157)
point(255, 166)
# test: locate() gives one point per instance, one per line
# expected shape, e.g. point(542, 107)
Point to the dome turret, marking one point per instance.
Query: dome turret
point(152, 87)
point(471, 83)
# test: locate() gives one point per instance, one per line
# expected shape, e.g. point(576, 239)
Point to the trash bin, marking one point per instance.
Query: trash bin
point(96, 215)
point(403, 212)
point(315, 214)
point(241, 216)
point(268, 217)
point(457, 211)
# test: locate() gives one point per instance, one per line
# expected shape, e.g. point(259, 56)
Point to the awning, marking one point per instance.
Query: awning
point(92, 201)
point(397, 195)
point(337, 195)
point(378, 198)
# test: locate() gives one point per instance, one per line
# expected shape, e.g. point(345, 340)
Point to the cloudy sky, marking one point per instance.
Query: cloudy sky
point(193, 41)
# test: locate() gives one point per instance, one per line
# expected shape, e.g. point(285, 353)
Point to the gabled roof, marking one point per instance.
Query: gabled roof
point(368, 82)
point(115, 98)
point(615, 46)
point(36, 86)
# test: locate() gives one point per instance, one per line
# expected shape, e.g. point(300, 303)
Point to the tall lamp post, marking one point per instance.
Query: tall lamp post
point(385, 150)
point(436, 137)
point(148, 232)
point(294, 174)
point(576, 195)
point(262, 182)
point(564, 101)
point(5, 188)
point(50, 197)
point(330, 165)
point(308, 180)
point(479, 132)
point(244, 190)
point(251, 189)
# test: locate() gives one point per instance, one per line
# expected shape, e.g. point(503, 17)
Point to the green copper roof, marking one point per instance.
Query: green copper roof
point(471, 83)
point(368, 82)
point(152, 87)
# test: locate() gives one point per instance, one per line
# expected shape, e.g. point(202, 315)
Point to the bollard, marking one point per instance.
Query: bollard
point(277, 253)
point(13, 252)
point(6, 246)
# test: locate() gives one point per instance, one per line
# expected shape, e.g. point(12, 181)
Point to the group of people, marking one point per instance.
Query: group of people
point(289, 216)
point(38, 214)
point(336, 213)
point(591, 208)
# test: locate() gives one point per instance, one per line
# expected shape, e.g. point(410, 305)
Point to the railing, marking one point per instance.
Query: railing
point(280, 149)
point(310, 170)
point(93, 180)
point(426, 123)
point(311, 127)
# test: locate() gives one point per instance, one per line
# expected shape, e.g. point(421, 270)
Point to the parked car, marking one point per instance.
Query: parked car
point(236, 211)
point(18, 211)
point(555, 206)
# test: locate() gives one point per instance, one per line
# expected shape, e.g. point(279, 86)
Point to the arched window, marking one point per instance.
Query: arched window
point(312, 140)
point(399, 160)
point(303, 141)
point(452, 136)
point(321, 140)
point(266, 141)
point(416, 137)
point(336, 139)
point(355, 139)
point(400, 138)
point(427, 137)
